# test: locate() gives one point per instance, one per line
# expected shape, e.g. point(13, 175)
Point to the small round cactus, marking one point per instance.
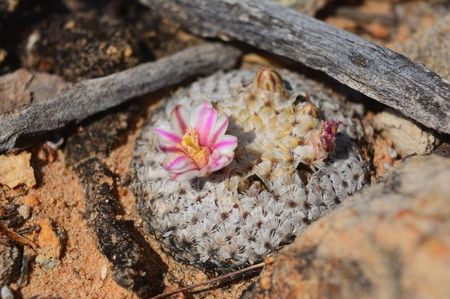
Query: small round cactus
point(291, 157)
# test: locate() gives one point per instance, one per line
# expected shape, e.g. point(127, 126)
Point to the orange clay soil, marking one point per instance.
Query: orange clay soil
point(79, 272)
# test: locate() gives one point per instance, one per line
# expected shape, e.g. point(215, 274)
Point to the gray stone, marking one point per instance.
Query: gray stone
point(6, 293)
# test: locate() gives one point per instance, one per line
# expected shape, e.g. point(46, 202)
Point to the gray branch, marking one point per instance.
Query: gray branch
point(373, 70)
point(95, 95)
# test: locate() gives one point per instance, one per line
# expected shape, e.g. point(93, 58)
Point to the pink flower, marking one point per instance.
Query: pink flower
point(195, 142)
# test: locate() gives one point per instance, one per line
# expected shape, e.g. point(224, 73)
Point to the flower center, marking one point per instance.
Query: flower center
point(191, 147)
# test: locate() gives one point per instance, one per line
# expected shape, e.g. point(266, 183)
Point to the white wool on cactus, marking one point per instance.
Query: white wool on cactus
point(225, 182)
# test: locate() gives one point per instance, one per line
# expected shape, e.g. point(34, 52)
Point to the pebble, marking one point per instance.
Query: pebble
point(32, 201)
point(24, 211)
point(15, 170)
point(103, 272)
point(50, 245)
point(6, 293)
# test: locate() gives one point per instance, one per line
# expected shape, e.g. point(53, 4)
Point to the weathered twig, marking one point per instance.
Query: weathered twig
point(373, 70)
point(17, 238)
point(92, 96)
point(212, 280)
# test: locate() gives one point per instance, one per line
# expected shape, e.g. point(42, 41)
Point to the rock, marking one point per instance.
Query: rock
point(50, 244)
point(44, 86)
point(22, 87)
point(405, 135)
point(16, 170)
point(32, 201)
point(24, 211)
point(6, 293)
point(103, 272)
point(390, 241)
point(13, 92)
point(430, 47)
point(9, 260)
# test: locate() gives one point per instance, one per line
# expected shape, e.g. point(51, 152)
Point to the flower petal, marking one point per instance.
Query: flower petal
point(179, 118)
point(205, 121)
point(178, 163)
point(226, 144)
point(218, 131)
point(167, 135)
point(219, 161)
point(197, 113)
point(195, 132)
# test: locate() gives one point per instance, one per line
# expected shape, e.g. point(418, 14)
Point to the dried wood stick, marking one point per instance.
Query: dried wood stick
point(17, 237)
point(213, 280)
point(95, 95)
point(373, 70)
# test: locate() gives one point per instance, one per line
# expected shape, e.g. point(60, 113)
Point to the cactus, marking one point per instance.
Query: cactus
point(296, 159)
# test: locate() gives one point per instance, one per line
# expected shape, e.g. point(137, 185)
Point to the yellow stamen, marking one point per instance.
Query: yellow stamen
point(191, 147)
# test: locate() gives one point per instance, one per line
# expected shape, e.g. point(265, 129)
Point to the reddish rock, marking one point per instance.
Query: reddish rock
point(50, 244)
point(32, 201)
point(15, 170)
point(390, 241)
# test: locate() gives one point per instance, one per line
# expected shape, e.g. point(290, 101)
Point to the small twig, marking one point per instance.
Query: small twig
point(213, 280)
point(371, 69)
point(95, 95)
point(18, 238)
